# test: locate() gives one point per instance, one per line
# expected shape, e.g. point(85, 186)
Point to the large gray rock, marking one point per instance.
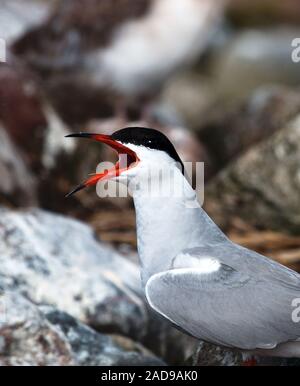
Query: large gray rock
point(45, 336)
point(262, 186)
point(93, 349)
point(27, 338)
point(57, 261)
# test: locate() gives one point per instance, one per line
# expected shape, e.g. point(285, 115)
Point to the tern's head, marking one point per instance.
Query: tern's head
point(140, 150)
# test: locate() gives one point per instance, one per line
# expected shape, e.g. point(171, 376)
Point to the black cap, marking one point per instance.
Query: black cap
point(151, 138)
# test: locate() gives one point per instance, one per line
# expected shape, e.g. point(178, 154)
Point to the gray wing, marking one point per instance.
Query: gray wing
point(232, 307)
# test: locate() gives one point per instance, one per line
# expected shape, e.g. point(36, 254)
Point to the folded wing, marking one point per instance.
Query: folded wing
point(220, 304)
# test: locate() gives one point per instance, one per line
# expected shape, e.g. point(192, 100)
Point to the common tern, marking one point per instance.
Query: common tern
point(192, 274)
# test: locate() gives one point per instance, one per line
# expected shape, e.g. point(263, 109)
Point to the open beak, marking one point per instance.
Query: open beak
point(130, 157)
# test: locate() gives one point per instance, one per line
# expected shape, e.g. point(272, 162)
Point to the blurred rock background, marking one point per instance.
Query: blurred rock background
point(217, 77)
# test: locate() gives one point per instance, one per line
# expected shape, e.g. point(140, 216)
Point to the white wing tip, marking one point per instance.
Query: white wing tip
point(203, 265)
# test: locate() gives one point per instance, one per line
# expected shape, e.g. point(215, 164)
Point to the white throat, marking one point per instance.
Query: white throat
point(169, 223)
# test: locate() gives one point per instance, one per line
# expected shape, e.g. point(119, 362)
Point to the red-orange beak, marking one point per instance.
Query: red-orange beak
point(131, 160)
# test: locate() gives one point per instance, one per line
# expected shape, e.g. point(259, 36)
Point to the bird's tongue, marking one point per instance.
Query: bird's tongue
point(121, 165)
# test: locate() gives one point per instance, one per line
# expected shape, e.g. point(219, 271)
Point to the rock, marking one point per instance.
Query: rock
point(18, 184)
point(45, 336)
point(211, 355)
point(27, 338)
point(48, 250)
point(252, 58)
point(234, 130)
point(93, 349)
point(262, 186)
point(57, 261)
